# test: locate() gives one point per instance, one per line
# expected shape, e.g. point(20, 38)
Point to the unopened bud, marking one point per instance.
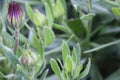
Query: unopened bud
point(28, 58)
point(15, 14)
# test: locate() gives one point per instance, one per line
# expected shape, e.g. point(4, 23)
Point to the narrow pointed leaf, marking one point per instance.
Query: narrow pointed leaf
point(13, 59)
point(85, 71)
point(40, 70)
point(41, 49)
point(77, 71)
point(44, 75)
point(29, 11)
point(78, 51)
point(74, 56)
point(69, 64)
point(65, 50)
point(55, 68)
point(49, 14)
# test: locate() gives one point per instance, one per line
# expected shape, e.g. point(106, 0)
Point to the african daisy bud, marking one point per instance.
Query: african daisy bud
point(28, 58)
point(15, 14)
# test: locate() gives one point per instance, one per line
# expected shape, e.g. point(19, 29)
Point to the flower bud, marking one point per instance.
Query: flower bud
point(15, 14)
point(28, 58)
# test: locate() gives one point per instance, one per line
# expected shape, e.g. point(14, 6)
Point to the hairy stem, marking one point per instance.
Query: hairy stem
point(16, 40)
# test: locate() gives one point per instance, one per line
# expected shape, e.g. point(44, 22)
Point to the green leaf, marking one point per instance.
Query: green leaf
point(65, 75)
point(9, 76)
point(36, 43)
point(69, 64)
point(95, 73)
point(116, 11)
point(78, 51)
point(5, 9)
point(49, 36)
point(19, 51)
point(40, 17)
point(36, 19)
point(114, 76)
point(4, 49)
point(77, 27)
point(41, 49)
point(19, 68)
point(65, 50)
point(55, 68)
point(8, 39)
point(85, 71)
point(49, 2)
point(49, 13)
point(23, 72)
point(40, 70)
point(13, 59)
point(74, 55)
point(44, 75)
point(29, 11)
point(64, 5)
point(77, 71)
point(87, 17)
point(59, 9)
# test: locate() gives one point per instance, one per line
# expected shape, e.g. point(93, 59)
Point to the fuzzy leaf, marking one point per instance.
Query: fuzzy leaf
point(41, 18)
point(44, 75)
point(85, 71)
point(40, 70)
point(29, 11)
point(69, 64)
point(41, 49)
point(116, 11)
point(87, 17)
point(49, 13)
point(49, 36)
point(74, 56)
point(13, 59)
point(59, 9)
point(77, 71)
point(36, 19)
point(78, 51)
point(55, 68)
point(5, 9)
point(65, 50)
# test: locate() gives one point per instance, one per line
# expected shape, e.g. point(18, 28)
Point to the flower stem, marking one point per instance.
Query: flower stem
point(16, 40)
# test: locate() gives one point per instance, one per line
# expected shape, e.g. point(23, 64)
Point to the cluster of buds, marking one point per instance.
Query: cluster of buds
point(28, 58)
point(15, 14)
